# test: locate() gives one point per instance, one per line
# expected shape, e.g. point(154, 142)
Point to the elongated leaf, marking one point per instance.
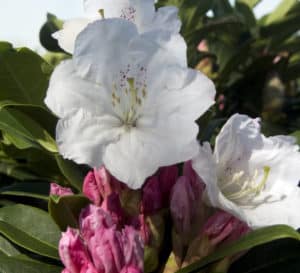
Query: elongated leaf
point(17, 171)
point(250, 3)
point(264, 258)
point(18, 125)
point(7, 247)
point(21, 265)
point(71, 171)
point(65, 210)
point(30, 228)
point(23, 76)
point(253, 239)
point(34, 189)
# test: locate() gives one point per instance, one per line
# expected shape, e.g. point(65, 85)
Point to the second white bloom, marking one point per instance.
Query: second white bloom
point(252, 176)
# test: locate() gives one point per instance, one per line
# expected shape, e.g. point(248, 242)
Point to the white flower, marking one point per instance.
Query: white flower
point(140, 12)
point(252, 176)
point(128, 101)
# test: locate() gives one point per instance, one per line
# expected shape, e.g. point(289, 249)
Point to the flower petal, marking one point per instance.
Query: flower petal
point(283, 212)
point(166, 18)
point(67, 92)
point(83, 137)
point(140, 152)
point(67, 35)
point(101, 47)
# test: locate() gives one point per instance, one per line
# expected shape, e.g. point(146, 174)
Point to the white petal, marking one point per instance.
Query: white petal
point(282, 156)
point(101, 49)
point(166, 18)
point(186, 92)
point(206, 167)
point(83, 137)
point(237, 139)
point(67, 35)
point(140, 152)
point(140, 12)
point(284, 212)
point(67, 92)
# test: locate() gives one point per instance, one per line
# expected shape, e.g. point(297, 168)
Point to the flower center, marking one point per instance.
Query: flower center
point(128, 96)
point(242, 188)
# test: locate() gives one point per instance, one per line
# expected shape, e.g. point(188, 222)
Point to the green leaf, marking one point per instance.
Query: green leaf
point(5, 46)
point(52, 25)
point(7, 247)
point(30, 228)
point(20, 127)
point(269, 258)
point(255, 238)
point(246, 12)
point(65, 210)
point(281, 11)
point(71, 171)
point(21, 265)
point(17, 171)
point(27, 189)
point(23, 76)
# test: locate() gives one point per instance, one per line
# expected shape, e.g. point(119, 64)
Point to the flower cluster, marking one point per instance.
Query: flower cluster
point(127, 105)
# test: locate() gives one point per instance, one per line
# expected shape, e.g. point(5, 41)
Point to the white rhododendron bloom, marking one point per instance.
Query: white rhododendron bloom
point(128, 101)
point(140, 12)
point(252, 176)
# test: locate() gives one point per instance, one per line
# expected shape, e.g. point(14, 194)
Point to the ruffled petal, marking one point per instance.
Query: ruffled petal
point(140, 152)
point(83, 137)
point(67, 35)
point(101, 49)
point(67, 92)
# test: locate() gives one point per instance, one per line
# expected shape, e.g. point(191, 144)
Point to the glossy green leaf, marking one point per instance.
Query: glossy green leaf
point(27, 189)
point(21, 265)
point(17, 171)
point(71, 171)
point(255, 238)
point(7, 248)
point(270, 257)
point(30, 228)
point(65, 210)
point(23, 76)
point(21, 127)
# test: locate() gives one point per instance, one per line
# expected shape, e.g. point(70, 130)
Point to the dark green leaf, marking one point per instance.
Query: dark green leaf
point(21, 265)
point(52, 25)
point(65, 210)
point(7, 247)
point(255, 238)
point(34, 189)
point(30, 228)
point(23, 76)
point(71, 171)
point(20, 127)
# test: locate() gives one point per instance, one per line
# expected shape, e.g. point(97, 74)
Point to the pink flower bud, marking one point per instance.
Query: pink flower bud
point(182, 205)
point(224, 226)
point(133, 247)
point(130, 269)
point(167, 178)
point(152, 196)
point(56, 189)
point(196, 182)
point(96, 185)
point(93, 218)
point(156, 191)
point(73, 252)
point(112, 205)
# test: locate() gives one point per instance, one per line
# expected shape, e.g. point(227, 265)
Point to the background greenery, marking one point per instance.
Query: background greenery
point(255, 65)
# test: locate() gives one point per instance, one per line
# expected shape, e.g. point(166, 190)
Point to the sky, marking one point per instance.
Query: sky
point(20, 20)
